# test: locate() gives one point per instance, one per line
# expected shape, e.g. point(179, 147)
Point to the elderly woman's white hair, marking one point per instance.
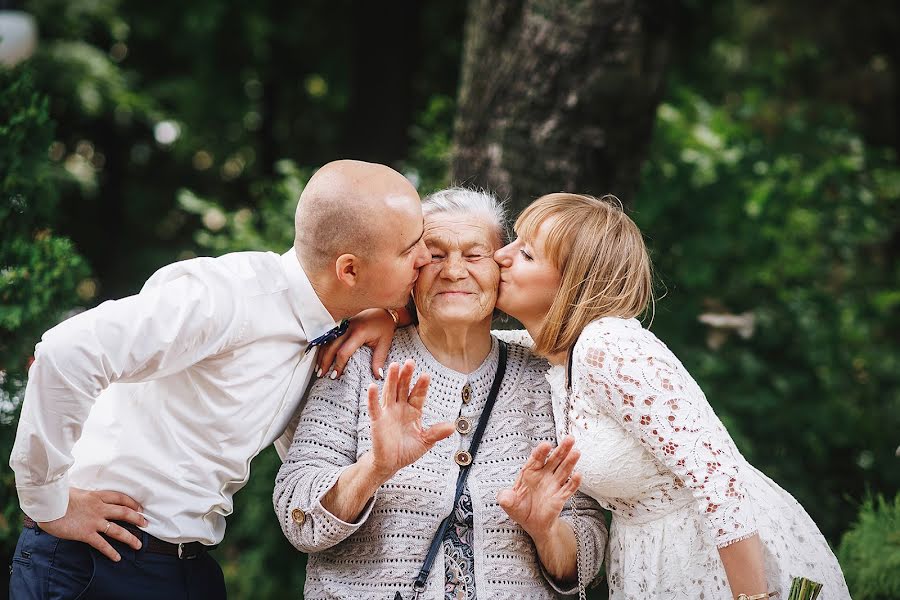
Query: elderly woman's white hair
point(460, 200)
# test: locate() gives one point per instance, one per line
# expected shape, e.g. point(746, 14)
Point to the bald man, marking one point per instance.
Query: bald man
point(141, 416)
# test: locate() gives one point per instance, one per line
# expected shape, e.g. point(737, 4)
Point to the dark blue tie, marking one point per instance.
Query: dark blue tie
point(332, 334)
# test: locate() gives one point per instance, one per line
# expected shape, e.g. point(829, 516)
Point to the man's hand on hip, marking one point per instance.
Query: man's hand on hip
point(91, 514)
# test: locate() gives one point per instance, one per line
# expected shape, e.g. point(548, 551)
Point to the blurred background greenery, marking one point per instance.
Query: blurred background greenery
point(766, 181)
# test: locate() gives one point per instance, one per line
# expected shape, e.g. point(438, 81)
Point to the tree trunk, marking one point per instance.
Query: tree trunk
point(559, 96)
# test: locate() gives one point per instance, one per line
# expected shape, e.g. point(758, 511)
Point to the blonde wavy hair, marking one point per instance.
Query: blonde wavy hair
point(602, 260)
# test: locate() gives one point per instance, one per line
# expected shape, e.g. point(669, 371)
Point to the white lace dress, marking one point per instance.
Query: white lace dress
point(656, 455)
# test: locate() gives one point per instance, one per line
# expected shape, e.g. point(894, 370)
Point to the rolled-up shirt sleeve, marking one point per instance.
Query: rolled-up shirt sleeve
point(324, 445)
point(183, 314)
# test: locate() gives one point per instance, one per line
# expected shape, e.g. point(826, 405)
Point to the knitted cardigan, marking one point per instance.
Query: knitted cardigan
point(382, 552)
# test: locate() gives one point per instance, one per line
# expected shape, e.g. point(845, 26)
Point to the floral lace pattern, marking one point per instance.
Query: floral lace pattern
point(656, 455)
point(459, 555)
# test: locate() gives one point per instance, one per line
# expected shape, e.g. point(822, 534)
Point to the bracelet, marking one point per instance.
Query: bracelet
point(394, 315)
point(757, 596)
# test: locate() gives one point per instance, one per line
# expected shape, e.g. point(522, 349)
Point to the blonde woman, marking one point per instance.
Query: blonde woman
point(691, 518)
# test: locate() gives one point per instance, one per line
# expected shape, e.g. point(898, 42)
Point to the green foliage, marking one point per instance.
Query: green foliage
point(870, 551)
point(779, 211)
point(432, 142)
point(268, 227)
point(39, 271)
point(26, 131)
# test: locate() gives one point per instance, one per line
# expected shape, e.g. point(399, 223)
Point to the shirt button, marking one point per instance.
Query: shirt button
point(467, 394)
point(298, 516)
point(463, 425)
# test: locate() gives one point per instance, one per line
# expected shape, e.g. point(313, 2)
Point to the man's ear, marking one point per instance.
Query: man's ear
point(347, 269)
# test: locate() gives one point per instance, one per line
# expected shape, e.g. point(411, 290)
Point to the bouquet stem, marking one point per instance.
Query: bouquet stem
point(804, 589)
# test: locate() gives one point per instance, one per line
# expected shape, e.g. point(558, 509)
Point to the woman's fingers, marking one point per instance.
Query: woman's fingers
point(379, 356)
point(349, 344)
point(539, 455)
point(389, 390)
point(560, 453)
point(534, 464)
point(374, 402)
point(567, 466)
point(406, 373)
point(506, 498)
point(571, 486)
point(326, 354)
point(419, 391)
point(437, 432)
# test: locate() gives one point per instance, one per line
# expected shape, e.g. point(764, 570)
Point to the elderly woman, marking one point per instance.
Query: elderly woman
point(365, 486)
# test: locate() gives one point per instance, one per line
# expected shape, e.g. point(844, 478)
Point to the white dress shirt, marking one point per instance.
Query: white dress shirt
point(167, 395)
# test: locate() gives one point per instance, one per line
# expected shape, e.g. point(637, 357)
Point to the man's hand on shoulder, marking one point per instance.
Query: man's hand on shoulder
point(90, 516)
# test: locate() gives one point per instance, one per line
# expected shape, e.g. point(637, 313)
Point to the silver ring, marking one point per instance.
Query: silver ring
point(108, 523)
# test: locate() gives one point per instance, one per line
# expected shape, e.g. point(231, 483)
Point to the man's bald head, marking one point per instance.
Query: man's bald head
point(346, 208)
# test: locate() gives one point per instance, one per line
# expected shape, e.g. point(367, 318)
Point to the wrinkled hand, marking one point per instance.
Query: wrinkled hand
point(544, 485)
point(398, 438)
point(373, 328)
point(87, 517)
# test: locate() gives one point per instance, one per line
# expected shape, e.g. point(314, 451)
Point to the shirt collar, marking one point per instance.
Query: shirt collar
point(313, 316)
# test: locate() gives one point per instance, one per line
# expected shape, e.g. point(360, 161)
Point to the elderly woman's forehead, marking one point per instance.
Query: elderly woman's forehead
point(460, 226)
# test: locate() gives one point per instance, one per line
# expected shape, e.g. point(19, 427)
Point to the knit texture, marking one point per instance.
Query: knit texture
point(383, 551)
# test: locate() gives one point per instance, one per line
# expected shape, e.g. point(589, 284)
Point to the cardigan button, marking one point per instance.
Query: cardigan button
point(463, 458)
point(463, 425)
point(467, 393)
point(298, 516)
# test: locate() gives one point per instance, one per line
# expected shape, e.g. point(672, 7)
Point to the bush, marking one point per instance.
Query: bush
point(40, 273)
point(870, 551)
point(779, 214)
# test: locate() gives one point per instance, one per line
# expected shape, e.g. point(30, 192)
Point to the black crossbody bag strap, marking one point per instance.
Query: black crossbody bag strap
point(419, 584)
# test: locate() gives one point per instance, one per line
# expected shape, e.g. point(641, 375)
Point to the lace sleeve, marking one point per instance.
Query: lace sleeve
point(633, 377)
point(514, 336)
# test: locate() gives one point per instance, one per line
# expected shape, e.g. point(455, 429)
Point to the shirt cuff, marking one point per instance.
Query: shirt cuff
point(46, 502)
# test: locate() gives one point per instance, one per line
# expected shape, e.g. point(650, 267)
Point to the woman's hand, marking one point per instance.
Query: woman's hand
point(373, 328)
point(544, 485)
point(398, 438)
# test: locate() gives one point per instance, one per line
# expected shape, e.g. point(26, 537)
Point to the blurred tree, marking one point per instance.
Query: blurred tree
point(211, 95)
point(559, 95)
point(768, 205)
point(41, 273)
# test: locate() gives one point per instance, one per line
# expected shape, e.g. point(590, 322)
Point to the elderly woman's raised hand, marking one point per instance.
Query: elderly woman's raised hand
point(544, 485)
point(398, 437)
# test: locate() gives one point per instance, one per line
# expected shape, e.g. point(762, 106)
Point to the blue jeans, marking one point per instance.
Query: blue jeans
point(45, 566)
